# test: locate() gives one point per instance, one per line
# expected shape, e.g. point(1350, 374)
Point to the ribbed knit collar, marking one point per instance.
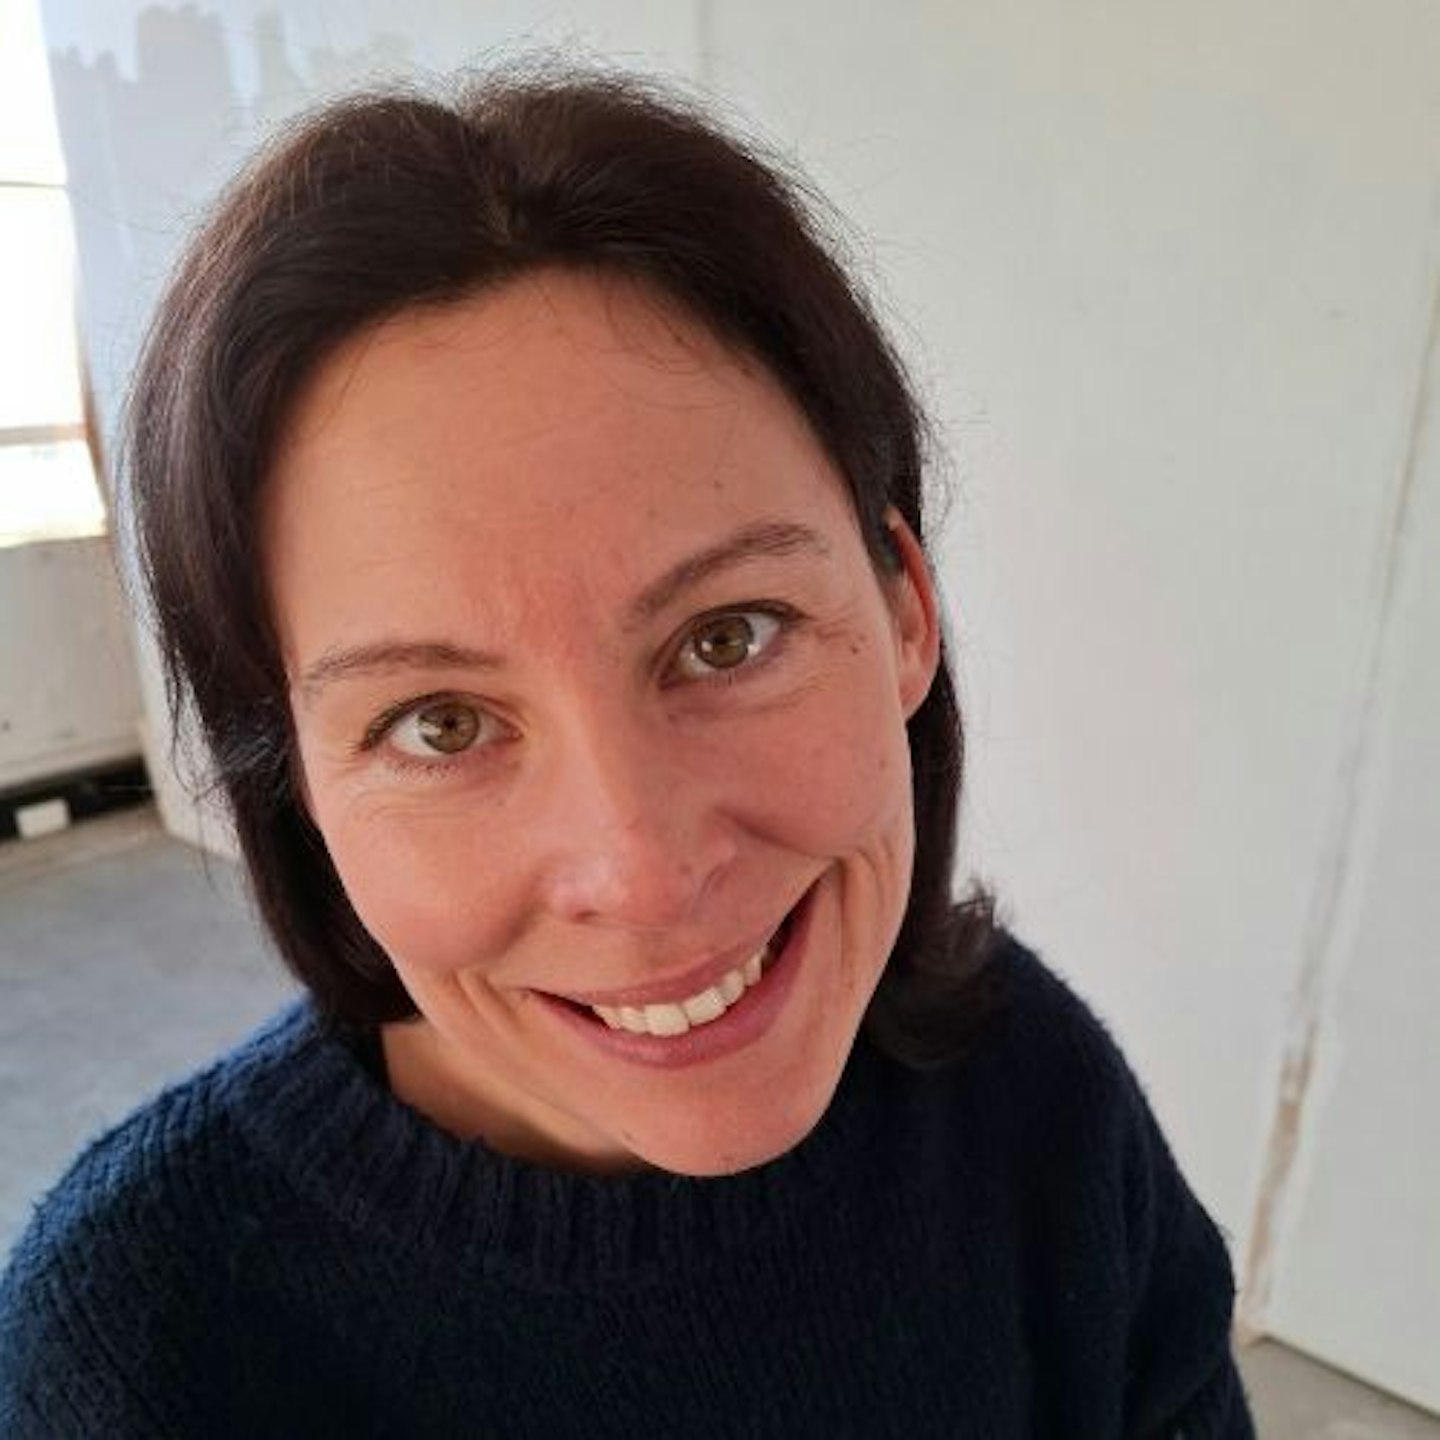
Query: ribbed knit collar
point(305, 1102)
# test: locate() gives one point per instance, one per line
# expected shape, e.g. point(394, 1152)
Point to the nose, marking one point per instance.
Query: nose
point(636, 836)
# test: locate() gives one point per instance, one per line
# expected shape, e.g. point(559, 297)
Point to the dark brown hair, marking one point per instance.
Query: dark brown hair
point(390, 200)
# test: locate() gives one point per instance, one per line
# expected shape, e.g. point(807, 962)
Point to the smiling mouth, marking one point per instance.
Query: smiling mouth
point(679, 1017)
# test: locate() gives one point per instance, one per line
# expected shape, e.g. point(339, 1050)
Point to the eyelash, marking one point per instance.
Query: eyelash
point(785, 617)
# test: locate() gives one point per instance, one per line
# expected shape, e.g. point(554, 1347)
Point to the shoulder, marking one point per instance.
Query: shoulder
point(1038, 1016)
point(166, 1152)
point(972, 987)
point(995, 1012)
point(1063, 1114)
point(1048, 1074)
point(107, 1278)
point(1043, 1101)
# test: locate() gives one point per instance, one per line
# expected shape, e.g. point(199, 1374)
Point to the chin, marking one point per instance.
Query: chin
point(737, 1141)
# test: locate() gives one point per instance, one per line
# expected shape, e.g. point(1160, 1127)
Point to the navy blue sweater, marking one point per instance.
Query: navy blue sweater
point(278, 1247)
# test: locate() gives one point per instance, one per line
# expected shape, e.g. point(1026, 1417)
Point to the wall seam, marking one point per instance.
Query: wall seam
point(1293, 1108)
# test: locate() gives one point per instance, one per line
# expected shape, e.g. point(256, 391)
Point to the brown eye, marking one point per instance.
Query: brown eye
point(727, 641)
point(444, 727)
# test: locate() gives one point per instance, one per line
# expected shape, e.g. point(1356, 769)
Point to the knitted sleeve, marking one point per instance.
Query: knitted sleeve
point(1183, 1383)
point(96, 1310)
point(62, 1343)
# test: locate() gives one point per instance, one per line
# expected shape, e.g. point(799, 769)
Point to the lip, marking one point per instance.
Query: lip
point(674, 988)
point(741, 1025)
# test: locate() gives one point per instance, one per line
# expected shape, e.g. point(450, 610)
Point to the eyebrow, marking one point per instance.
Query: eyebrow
point(384, 656)
point(762, 540)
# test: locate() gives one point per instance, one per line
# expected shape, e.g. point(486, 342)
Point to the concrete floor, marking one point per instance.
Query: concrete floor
point(1296, 1398)
point(127, 959)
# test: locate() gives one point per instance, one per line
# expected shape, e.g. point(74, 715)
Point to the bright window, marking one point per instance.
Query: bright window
point(47, 483)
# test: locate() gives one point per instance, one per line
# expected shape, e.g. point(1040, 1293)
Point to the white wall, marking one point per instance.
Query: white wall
point(1357, 1273)
point(1167, 271)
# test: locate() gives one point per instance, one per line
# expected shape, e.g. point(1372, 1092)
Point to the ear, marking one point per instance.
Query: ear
point(915, 611)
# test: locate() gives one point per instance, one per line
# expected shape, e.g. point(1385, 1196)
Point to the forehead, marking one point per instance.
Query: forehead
point(548, 362)
point(565, 425)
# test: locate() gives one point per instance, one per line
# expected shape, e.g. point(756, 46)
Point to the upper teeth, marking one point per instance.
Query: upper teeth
point(682, 1015)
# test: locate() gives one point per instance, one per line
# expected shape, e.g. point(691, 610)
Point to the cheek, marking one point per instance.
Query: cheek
point(838, 778)
point(426, 887)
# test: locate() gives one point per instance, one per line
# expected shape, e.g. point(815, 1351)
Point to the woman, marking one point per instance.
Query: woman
point(531, 513)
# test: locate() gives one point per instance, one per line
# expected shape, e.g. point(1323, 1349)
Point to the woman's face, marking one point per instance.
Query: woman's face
point(600, 707)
